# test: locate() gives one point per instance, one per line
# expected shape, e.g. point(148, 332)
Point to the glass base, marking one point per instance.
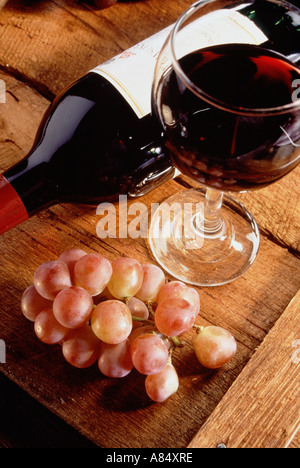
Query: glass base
point(198, 252)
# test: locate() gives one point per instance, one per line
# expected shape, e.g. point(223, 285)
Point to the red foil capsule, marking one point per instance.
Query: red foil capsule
point(12, 209)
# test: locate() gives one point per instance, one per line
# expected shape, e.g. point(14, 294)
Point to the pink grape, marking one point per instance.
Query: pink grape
point(148, 329)
point(73, 307)
point(111, 321)
point(161, 386)
point(177, 289)
point(92, 272)
point(149, 353)
point(50, 278)
point(126, 278)
point(174, 317)
point(153, 280)
point(170, 289)
point(48, 329)
point(81, 348)
point(214, 347)
point(115, 360)
point(32, 303)
point(70, 257)
point(140, 331)
point(138, 309)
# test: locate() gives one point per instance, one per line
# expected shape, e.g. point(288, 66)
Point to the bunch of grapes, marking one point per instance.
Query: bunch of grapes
point(123, 315)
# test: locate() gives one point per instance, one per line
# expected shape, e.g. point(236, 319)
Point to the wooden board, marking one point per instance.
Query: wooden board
point(43, 48)
point(265, 399)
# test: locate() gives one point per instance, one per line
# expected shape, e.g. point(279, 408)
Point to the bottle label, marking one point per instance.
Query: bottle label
point(132, 71)
point(12, 209)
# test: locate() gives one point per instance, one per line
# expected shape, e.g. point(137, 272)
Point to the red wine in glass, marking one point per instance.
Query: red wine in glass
point(237, 149)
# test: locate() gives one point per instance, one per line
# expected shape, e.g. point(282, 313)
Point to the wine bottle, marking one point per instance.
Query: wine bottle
point(96, 141)
point(281, 26)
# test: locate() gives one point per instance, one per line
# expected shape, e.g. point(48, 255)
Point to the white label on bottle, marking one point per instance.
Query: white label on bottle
point(132, 71)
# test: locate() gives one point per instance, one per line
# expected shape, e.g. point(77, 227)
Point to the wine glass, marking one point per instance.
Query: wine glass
point(226, 92)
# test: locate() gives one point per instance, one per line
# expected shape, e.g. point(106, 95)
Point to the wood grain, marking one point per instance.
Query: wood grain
point(44, 46)
point(20, 117)
point(55, 42)
point(295, 442)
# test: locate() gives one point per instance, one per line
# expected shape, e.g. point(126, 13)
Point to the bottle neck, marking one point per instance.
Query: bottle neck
point(12, 209)
point(25, 189)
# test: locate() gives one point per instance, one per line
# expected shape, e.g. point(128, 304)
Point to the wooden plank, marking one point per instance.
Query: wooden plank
point(47, 46)
point(84, 399)
point(262, 407)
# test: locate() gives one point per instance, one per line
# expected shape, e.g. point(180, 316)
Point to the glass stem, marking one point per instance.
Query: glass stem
point(210, 221)
point(212, 207)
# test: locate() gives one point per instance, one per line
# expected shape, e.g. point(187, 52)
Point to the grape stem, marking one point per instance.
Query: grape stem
point(198, 328)
point(170, 354)
point(140, 319)
point(176, 341)
point(150, 308)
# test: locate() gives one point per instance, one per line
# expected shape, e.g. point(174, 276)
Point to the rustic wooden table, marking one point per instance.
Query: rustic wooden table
point(255, 400)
